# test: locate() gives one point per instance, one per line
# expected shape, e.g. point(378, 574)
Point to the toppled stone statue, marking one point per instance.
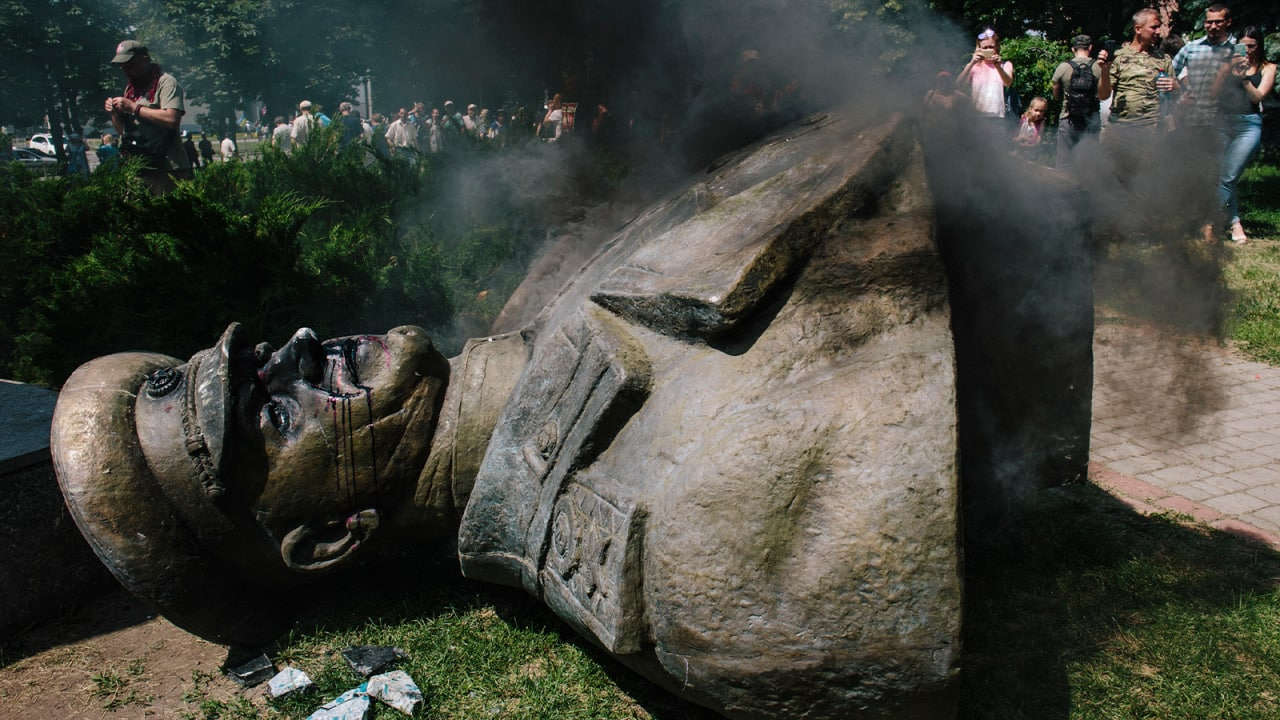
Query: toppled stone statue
point(726, 451)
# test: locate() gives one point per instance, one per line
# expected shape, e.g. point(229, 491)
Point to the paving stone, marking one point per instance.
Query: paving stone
point(1256, 476)
point(1213, 466)
point(1159, 444)
point(1271, 451)
point(1246, 530)
point(1119, 452)
point(1105, 439)
point(1217, 455)
point(1201, 513)
point(1191, 491)
point(1223, 484)
point(1270, 493)
point(1180, 474)
point(1256, 423)
point(1202, 450)
point(1136, 465)
point(1129, 421)
point(1241, 459)
point(1234, 414)
point(1251, 440)
point(1267, 518)
point(1235, 503)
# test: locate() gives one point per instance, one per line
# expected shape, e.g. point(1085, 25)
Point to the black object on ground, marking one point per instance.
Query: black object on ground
point(369, 659)
point(250, 672)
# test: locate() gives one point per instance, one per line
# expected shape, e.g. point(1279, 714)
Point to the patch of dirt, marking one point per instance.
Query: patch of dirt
point(112, 660)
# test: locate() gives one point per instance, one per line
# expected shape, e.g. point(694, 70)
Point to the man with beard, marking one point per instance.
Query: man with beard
point(1206, 63)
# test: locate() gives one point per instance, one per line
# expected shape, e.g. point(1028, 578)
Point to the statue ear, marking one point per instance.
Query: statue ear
point(308, 548)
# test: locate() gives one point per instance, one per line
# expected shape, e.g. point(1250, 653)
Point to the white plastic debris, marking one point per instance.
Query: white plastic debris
point(396, 689)
point(288, 680)
point(350, 705)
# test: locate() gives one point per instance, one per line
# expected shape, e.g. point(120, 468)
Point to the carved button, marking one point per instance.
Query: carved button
point(163, 381)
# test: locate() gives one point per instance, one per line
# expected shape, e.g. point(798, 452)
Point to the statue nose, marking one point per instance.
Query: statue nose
point(302, 358)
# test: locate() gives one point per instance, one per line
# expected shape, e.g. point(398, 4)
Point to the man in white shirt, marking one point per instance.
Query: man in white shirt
point(282, 134)
point(402, 136)
point(302, 124)
point(228, 148)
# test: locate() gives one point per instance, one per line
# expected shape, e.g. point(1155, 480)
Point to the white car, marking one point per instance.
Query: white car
point(42, 143)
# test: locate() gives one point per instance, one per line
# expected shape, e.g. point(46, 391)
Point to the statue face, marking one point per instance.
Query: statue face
point(327, 436)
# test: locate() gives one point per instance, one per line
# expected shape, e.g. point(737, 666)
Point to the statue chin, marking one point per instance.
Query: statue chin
point(726, 452)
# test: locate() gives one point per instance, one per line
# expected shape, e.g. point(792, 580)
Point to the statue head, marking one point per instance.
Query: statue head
point(211, 486)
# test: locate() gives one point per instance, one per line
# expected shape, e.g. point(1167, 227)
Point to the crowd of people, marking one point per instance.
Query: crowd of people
point(412, 130)
point(147, 117)
point(1206, 95)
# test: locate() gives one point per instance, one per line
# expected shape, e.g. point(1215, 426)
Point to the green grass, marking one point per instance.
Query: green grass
point(1254, 275)
point(1232, 292)
point(476, 651)
point(1081, 610)
point(1088, 610)
point(113, 688)
point(1260, 199)
point(1254, 270)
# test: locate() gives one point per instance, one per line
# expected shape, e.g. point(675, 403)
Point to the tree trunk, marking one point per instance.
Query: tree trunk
point(55, 119)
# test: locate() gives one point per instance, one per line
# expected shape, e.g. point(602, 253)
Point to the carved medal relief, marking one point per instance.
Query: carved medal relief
point(592, 566)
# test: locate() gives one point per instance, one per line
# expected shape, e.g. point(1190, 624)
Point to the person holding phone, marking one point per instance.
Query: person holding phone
point(1207, 64)
point(987, 75)
point(1139, 74)
point(1252, 78)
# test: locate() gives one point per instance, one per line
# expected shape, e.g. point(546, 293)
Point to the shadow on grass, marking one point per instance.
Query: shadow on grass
point(1078, 608)
point(1258, 191)
point(433, 587)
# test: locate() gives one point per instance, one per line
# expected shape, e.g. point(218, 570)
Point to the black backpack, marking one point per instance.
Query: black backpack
point(1081, 94)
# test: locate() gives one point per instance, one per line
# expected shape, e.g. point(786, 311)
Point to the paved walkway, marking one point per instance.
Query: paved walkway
point(1187, 426)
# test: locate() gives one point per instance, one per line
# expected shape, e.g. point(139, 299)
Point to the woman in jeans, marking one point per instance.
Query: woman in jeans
point(1251, 80)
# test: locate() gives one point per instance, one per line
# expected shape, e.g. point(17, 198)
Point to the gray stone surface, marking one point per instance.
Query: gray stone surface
point(1213, 409)
point(25, 412)
point(45, 565)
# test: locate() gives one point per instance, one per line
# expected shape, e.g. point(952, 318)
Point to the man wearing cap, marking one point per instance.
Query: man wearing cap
point(147, 117)
point(1080, 83)
point(303, 123)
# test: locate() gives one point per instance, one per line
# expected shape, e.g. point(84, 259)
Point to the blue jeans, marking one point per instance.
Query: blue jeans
point(1244, 133)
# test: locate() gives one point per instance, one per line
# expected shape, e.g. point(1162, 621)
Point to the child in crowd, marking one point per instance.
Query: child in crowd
point(1031, 128)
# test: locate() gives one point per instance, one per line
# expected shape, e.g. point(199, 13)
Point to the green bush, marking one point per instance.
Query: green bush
point(1034, 60)
point(309, 238)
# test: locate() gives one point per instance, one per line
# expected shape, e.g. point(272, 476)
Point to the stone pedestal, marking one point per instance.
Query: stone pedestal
point(45, 564)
